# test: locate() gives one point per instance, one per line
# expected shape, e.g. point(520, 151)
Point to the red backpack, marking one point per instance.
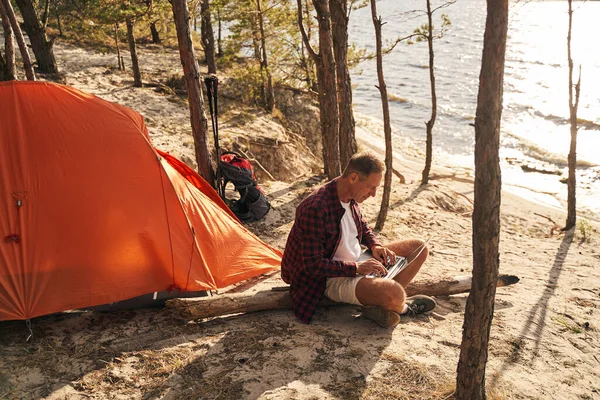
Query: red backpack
point(252, 204)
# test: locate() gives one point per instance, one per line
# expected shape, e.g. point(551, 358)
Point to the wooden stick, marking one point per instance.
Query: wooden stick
point(279, 298)
point(399, 175)
point(258, 164)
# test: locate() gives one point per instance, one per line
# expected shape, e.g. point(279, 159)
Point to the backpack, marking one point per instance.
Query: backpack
point(252, 204)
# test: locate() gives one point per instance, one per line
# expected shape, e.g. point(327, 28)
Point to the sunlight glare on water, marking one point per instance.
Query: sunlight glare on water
point(535, 118)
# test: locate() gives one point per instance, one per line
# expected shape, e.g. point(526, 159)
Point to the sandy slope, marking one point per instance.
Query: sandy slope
point(545, 341)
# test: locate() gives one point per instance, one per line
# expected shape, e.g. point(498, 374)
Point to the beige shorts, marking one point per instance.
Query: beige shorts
point(343, 290)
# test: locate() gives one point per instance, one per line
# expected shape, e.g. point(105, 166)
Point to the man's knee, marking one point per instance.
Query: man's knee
point(422, 245)
point(393, 295)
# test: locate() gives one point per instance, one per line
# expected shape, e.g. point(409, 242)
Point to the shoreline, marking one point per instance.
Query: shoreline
point(414, 160)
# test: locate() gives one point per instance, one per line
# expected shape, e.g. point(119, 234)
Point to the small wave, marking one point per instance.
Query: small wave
point(397, 99)
point(534, 62)
point(558, 120)
point(420, 66)
point(536, 152)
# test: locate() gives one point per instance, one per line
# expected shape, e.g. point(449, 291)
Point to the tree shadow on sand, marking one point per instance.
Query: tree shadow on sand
point(536, 321)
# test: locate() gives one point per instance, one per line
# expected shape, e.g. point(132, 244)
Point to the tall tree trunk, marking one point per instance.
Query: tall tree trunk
point(46, 14)
point(220, 31)
point(328, 106)
point(267, 81)
point(59, 26)
point(304, 64)
point(339, 23)
point(119, 63)
point(572, 158)
point(194, 89)
point(208, 37)
point(135, 65)
point(387, 127)
point(41, 46)
point(470, 381)
point(431, 122)
point(154, 32)
point(255, 36)
point(9, 47)
point(10, 14)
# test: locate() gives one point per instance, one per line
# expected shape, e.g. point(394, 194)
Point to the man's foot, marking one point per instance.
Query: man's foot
point(419, 304)
point(383, 317)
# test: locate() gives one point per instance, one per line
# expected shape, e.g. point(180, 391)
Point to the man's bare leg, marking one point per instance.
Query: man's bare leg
point(385, 293)
point(407, 248)
point(383, 300)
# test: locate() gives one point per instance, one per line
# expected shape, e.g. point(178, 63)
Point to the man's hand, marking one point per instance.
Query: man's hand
point(369, 267)
point(383, 255)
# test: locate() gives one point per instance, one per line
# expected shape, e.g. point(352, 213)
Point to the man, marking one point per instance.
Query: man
point(322, 250)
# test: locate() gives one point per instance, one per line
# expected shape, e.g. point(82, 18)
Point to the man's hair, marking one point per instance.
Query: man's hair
point(364, 164)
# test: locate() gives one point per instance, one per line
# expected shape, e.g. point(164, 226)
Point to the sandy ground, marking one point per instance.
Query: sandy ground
point(544, 343)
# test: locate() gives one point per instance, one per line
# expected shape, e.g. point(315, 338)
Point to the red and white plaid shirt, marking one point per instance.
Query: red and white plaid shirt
point(313, 240)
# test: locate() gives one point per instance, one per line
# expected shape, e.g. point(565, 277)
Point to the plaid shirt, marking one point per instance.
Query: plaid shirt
point(311, 245)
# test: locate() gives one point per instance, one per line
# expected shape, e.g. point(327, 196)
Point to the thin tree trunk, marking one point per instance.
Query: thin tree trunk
point(328, 106)
point(27, 65)
point(267, 84)
point(60, 32)
point(255, 38)
point(304, 64)
point(431, 122)
point(208, 37)
point(387, 127)
point(195, 17)
point(46, 14)
point(219, 37)
point(339, 22)
point(41, 46)
point(193, 87)
point(572, 158)
point(9, 47)
point(310, 65)
point(121, 66)
point(154, 32)
point(137, 75)
point(479, 311)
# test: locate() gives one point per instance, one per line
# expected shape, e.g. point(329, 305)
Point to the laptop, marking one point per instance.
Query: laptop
point(399, 265)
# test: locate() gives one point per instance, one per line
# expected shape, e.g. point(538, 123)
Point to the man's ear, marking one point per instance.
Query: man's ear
point(353, 177)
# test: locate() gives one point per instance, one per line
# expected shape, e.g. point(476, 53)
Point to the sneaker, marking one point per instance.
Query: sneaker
point(419, 304)
point(383, 317)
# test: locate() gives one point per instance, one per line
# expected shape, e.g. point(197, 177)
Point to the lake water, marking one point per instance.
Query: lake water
point(535, 126)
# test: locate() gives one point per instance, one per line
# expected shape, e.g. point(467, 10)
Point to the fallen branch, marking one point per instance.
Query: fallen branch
point(556, 227)
point(468, 199)
point(254, 160)
point(279, 298)
point(399, 175)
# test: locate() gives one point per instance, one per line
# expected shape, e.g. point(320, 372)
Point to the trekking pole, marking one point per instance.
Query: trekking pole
point(212, 83)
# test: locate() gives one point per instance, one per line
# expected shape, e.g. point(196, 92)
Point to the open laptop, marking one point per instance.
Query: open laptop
point(399, 265)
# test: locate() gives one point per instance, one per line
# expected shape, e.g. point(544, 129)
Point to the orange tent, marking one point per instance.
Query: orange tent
point(91, 214)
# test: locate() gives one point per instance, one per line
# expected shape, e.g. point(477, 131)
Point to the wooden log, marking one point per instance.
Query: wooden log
point(278, 297)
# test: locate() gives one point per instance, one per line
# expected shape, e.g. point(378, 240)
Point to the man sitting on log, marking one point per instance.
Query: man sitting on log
point(324, 245)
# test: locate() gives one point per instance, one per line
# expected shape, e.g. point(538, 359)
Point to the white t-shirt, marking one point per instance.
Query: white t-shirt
point(349, 247)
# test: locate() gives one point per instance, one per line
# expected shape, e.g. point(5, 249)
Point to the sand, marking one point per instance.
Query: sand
point(544, 341)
